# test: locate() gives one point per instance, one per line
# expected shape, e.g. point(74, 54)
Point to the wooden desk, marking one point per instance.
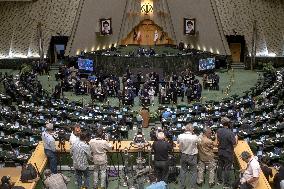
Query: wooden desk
point(243, 146)
point(40, 159)
point(13, 172)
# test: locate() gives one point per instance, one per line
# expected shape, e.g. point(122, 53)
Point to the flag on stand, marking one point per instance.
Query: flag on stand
point(138, 36)
point(156, 36)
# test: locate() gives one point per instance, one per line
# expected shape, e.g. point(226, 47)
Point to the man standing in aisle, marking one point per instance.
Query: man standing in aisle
point(206, 158)
point(188, 161)
point(99, 146)
point(226, 141)
point(49, 147)
point(80, 152)
point(161, 150)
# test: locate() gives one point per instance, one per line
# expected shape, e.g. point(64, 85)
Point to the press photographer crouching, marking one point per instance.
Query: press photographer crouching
point(55, 181)
point(5, 183)
point(249, 176)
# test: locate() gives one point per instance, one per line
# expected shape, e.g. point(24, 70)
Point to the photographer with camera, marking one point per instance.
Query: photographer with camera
point(99, 147)
point(49, 147)
point(188, 147)
point(5, 182)
point(161, 150)
point(226, 141)
point(75, 135)
point(81, 152)
point(55, 181)
point(206, 157)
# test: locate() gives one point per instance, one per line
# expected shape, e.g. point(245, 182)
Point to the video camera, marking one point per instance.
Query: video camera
point(139, 137)
point(62, 136)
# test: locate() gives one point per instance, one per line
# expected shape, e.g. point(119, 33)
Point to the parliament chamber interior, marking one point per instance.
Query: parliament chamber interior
point(144, 94)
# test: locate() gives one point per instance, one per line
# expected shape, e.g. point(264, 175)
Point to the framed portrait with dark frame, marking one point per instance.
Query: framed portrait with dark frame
point(189, 26)
point(105, 26)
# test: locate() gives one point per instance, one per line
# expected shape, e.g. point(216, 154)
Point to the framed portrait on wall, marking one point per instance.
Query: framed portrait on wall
point(189, 26)
point(105, 26)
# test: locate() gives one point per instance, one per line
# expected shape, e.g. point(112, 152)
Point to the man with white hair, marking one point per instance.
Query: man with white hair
point(161, 150)
point(49, 147)
point(188, 161)
point(55, 181)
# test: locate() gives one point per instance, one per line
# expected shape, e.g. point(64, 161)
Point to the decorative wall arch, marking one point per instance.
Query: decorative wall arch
point(144, 34)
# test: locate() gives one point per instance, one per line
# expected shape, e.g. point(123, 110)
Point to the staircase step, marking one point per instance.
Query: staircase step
point(238, 65)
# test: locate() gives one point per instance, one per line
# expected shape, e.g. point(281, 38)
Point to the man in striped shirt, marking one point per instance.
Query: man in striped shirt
point(55, 181)
point(81, 152)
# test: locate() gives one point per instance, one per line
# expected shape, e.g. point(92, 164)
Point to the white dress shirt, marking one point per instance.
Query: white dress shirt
point(188, 143)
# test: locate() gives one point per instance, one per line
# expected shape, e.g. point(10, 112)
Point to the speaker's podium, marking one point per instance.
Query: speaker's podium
point(165, 100)
point(145, 101)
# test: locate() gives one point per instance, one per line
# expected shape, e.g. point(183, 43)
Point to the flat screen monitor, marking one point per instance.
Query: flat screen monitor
point(92, 78)
point(85, 64)
point(206, 64)
point(32, 139)
point(178, 125)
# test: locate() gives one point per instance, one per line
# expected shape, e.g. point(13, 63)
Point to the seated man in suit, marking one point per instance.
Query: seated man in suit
point(250, 176)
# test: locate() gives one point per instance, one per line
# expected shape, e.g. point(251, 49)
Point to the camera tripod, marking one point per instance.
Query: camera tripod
point(137, 178)
point(61, 146)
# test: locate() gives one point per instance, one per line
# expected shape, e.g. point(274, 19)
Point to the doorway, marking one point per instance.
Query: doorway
point(237, 47)
point(57, 48)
